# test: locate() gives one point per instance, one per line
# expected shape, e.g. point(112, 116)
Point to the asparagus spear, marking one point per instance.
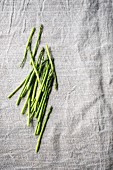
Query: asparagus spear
point(28, 43)
point(24, 88)
point(40, 67)
point(43, 128)
point(52, 66)
point(45, 100)
point(16, 89)
point(39, 102)
point(37, 42)
point(41, 113)
point(43, 96)
point(26, 102)
point(34, 65)
point(41, 86)
point(43, 105)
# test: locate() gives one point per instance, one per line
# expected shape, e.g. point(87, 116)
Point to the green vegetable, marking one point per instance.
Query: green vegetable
point(44, 94)
point(41, 113)
point(34, 66)
point(16, 89)
point(40, 67)
point(34, 90)
point(43, 104)
point(28, 43)
point(26, 102)
point(43, 128)
point(24, 89)
point(41, 85)
point(37, 85)
point(37, 42)
point(52, 66)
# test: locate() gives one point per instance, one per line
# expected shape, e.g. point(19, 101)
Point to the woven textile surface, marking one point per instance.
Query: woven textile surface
point(79, 132)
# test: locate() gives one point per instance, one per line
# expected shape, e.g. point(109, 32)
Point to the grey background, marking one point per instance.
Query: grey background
point(79, 133)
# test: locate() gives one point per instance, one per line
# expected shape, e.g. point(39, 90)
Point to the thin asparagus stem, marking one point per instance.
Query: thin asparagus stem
point(28, 43)
point(26, 102)
point(43, 128)
point(34, 90)
point(38, 128)
point(43, 96)
point(38, 93)
point(33, 101)
point(16, 89)
point(42, 107)
point(32, 105)
point(31, 78)
point(37, 42)
point(32, 115)
point(24, 88)
point(41, 86)
point(34, 65)
point(41, 113)
point(39, 124)
point(43, 102)
point(52, 66)
point(36, 82)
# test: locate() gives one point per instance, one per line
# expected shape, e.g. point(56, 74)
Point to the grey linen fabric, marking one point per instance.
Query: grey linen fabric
point(79, 133)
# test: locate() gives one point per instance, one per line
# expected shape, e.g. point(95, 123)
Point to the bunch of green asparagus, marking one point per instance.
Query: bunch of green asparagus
point(37, 86)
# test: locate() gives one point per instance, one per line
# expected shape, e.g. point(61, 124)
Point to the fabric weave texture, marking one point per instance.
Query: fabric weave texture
point(79, 132)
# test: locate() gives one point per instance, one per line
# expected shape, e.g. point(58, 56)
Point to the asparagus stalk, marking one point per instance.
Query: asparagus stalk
point(43, 96)
point(38, 68)
point(39, 123)
point(42, 107)
point(41, 86)
point(26, 102)
point(36, 102)
point(43, 128)
point(24, 89)
point(34, 66)
point(37, 131)
point(52, 66)
point(37, 42)
point(34, 90)
point(36, 81)
point(28, 43)
point(9, 96)
point(41, 113)
point(45, 100)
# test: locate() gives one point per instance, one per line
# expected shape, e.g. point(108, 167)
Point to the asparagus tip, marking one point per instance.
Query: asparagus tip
point(50, 109)
point(56, 86)
point(33, 28)
point(35, 133)
point(41, 27)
